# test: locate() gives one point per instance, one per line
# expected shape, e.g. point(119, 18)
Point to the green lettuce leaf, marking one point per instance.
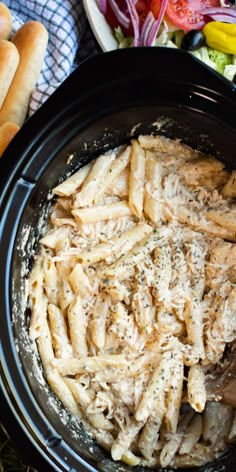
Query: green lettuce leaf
point(203, 55)
point(230, 70)
point(123, 41)
point(221, 59)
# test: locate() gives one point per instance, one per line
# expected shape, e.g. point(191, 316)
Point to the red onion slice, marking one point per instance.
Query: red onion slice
point(147, 25)
point(223, 18)
point(103, 6)
point(121, 17)
point(134, 20)
point(155, 27)
point(226, 11)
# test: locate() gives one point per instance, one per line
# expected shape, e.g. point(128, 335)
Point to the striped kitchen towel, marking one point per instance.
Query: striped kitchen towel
point(70, 40)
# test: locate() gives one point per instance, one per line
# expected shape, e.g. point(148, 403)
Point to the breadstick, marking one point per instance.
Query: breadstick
point(7, 133)
point(9, 60)
point(31, 41)
point(5, 21)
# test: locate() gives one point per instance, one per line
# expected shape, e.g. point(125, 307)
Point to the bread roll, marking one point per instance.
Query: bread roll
point(7, 133)
point(5, 22)
point(9, 60)
point(31, 41)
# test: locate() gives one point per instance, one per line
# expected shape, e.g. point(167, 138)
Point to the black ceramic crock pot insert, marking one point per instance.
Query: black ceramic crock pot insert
point(107, 100)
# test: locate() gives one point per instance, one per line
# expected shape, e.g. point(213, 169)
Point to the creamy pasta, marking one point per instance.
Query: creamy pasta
point(133, 300)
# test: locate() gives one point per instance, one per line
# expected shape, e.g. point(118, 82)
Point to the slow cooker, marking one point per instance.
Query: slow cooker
point(107, 100)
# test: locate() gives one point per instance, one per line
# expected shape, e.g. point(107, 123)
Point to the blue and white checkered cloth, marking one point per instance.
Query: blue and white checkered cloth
point(70, 40)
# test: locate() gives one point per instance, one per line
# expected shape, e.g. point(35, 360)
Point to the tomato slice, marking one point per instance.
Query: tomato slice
point(185, 13)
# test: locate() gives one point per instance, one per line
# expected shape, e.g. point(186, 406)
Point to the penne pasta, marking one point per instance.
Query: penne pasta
point(82, 365)
point(125, 264)
point(65, 295)
point(163, 272)
point(54, 237)
point(50, 279)
point(79, 281)
point(143, 309)
point(172, 445)
point(38, 301)
point(120, 163)
point(83, 398)
point(136, 179)
point(156, 386)
point(122, 443)
point(58, 329)
point(196, 388)
point(116, 246)
point(194, 325)
point(44, 343)
point(99, 321)
point(103, 212)
point(72, 183)
point(78, 322)
point(174, 395)
point(153, 188)
point(94, 180)
point(62, 391)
